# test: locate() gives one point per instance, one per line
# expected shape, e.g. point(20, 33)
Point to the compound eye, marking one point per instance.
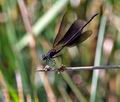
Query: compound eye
point(43, 57)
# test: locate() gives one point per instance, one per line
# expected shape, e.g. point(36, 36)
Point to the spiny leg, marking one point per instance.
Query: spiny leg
point(51, 62)
point(59, 56)
point(47, 61)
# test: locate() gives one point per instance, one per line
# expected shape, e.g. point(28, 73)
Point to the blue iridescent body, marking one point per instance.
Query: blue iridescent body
point(50, 54)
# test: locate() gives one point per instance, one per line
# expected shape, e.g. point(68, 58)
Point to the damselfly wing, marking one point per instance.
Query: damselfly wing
point(72, 37)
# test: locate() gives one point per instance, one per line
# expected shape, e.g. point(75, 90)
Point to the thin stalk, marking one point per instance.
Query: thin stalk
point(73, 87)
point(97, 58)
point(106, 67)
point(32, 46)
point(4, 89)
point(10, 31)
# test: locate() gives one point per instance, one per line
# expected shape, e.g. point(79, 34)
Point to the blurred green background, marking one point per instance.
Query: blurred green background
point(28, 29)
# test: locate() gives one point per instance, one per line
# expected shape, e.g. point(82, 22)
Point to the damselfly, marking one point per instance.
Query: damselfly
point(72, 37)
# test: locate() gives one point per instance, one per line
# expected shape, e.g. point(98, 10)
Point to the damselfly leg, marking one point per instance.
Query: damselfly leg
point(50, 62)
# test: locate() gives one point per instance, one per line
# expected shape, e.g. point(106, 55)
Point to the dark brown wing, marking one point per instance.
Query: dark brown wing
point(60, 33)
point(75, 27)
point(82, 37)
point(72, 35)
point(64, 26)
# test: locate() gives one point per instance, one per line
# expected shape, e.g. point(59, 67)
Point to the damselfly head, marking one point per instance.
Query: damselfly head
point(50, 54)
point(44, 57)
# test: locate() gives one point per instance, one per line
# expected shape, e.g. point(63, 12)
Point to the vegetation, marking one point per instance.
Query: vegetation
point(27, 31)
